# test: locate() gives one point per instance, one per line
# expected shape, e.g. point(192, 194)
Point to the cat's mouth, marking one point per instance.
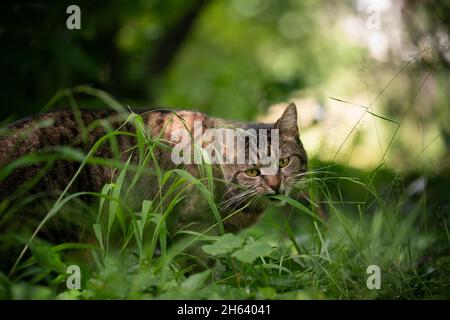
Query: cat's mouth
point(272, 200)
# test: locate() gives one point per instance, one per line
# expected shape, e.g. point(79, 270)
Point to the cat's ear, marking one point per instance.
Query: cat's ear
point(287, 124)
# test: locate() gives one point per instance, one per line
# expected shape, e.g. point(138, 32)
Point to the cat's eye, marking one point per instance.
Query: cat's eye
point(283, 162)
point(252, 172)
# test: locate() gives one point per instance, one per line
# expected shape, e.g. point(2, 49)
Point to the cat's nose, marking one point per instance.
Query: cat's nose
point(273, 182)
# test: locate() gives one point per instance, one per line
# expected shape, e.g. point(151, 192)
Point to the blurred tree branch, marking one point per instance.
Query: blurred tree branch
point(173, 38)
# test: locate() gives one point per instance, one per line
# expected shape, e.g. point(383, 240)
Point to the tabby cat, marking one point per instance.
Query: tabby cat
point(241, 188)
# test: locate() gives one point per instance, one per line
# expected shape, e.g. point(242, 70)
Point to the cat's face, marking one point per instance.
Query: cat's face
point(247, 185)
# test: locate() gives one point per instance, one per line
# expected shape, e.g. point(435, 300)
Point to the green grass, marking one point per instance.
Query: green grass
point(292, 253)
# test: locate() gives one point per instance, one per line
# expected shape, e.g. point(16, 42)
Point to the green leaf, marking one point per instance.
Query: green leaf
point(48, 259)
point(69, 295)
point(196, 281)
point(226, 244)
point(98, 234)
point(252, 251)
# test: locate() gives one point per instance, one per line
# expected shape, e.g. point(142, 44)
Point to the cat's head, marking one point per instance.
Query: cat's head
point(248, 185)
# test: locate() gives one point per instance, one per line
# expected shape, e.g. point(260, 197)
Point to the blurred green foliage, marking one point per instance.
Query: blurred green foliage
point(225, 57)
point(233, 59)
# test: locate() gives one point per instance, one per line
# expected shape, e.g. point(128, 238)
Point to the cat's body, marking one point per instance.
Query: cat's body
point(64, 128)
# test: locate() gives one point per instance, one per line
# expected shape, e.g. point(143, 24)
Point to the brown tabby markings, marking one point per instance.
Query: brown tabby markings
point(29, 136)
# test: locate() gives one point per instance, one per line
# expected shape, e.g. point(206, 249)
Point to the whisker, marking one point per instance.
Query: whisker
point(237, 199)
